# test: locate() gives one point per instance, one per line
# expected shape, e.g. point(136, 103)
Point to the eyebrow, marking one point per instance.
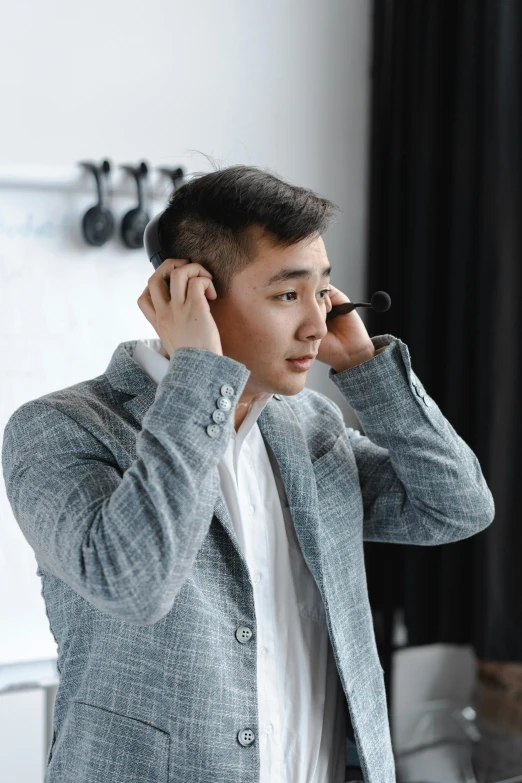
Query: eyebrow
point(291, 274)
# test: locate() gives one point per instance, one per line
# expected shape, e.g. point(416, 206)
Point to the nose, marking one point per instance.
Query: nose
point(315, 324)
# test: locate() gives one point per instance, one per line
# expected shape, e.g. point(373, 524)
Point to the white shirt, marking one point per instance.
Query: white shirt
point(302, 719)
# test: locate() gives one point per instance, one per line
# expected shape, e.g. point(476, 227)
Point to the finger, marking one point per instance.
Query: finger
point(163, 273)
point(146, 306)
point(198, 285)
point(180, 277)
point(337, 296)
point(159, 283)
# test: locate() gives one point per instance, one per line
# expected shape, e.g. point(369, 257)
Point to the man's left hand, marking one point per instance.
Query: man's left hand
point(347, 342)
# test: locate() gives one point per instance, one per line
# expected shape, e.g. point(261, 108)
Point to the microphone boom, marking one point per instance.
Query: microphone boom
point(381, 301)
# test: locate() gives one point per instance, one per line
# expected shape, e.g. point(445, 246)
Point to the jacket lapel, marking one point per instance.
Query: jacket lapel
point(284, 437)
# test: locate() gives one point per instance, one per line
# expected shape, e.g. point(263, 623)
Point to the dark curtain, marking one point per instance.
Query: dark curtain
point(444, 240)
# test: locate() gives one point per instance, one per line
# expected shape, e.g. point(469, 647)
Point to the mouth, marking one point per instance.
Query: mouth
point(302, 363)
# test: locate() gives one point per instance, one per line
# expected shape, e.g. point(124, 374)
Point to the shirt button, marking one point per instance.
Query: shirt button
point(262, 651)
point(257, 577)
point(250, 510)
point(268, 728)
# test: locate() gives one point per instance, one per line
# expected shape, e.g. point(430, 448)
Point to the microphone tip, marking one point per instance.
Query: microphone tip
point(381, 301)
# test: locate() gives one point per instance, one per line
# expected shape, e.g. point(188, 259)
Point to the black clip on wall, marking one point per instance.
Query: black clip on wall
point(175, 175)
point(134, 221)
point(98, 221)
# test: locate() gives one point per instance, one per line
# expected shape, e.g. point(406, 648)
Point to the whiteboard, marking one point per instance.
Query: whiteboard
point(65, 308)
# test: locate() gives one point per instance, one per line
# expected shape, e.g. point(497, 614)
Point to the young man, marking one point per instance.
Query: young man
point(198, 514)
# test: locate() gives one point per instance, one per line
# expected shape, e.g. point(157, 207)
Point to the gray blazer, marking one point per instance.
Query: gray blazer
point(115, 486)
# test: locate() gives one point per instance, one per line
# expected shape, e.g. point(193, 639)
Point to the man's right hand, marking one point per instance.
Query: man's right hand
point(175, 303)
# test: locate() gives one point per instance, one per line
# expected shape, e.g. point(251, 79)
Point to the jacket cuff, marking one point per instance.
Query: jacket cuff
point(196, 385)
point(380, 381)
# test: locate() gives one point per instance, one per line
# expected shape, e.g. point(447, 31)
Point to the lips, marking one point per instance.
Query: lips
point(302, 358)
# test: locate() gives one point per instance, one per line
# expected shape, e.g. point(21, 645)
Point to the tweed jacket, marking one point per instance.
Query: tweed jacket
point(114, 484)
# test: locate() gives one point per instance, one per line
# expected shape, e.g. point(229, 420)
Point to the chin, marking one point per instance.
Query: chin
point(294, 387)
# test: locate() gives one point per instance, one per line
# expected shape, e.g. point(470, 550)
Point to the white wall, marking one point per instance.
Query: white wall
point(276, 83)
point(279, 84)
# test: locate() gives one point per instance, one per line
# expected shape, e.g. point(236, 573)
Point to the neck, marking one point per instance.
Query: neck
point(241, 411)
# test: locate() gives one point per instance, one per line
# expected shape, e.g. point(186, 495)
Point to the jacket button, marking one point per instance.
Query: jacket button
point(243, 634)
point(427, 401)
point(227, 390)
point(219, 417)
point(246, 737)
point(277, 397)
point(224, 403)
point(213, 430)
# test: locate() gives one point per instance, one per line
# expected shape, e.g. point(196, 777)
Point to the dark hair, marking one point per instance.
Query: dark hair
point(209, 219)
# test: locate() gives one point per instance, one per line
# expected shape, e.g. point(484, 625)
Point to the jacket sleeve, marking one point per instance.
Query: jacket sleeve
point(420, 482)
point(124, 541)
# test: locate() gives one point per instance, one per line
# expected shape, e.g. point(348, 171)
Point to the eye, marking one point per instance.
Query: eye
point(279, 296)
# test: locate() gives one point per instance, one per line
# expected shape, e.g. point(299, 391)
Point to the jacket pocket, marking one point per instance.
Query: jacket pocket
point(95, 744)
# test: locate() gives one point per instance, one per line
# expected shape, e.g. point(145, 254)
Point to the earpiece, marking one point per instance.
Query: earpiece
point(135, 220)
point(151, 233)
point(152, 243)
point(98, 221)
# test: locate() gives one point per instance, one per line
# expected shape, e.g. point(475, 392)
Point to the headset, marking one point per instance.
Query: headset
point(152, 243)
point(381, 301)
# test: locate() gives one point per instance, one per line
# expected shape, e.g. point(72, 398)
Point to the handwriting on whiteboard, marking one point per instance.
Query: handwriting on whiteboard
point(30, 227)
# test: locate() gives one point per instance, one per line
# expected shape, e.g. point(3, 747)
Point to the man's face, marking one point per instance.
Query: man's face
point(261, 324)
